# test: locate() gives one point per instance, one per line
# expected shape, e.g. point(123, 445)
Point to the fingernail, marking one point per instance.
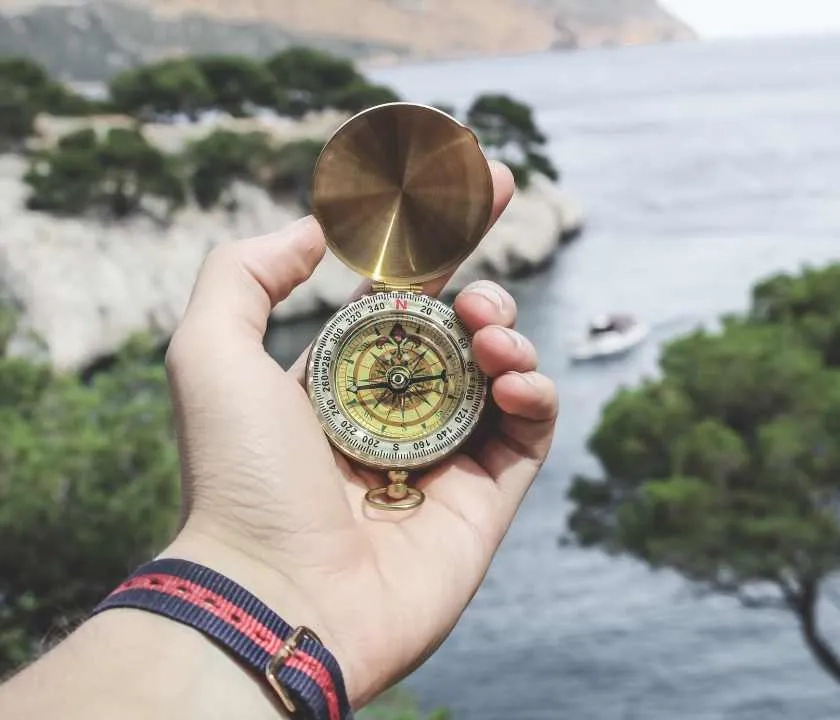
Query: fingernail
point(489, 291)
point(527, 377)
point(513, 336)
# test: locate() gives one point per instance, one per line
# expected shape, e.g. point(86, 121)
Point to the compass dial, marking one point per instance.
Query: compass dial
point(394, 382)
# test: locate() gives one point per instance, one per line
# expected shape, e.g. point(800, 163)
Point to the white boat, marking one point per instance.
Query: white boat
point(609, 336)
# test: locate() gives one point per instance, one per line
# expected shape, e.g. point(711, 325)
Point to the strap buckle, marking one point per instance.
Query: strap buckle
point(287, 649)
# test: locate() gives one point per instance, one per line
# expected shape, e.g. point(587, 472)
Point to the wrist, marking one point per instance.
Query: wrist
point(135, 665)
point(279, 591)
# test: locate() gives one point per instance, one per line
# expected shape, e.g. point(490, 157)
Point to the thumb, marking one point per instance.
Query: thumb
point(240, 282)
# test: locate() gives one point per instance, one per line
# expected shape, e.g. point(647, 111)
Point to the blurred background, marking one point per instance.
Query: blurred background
point(671, 246)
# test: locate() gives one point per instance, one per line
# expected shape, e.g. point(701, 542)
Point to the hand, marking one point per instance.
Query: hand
point(268, 502)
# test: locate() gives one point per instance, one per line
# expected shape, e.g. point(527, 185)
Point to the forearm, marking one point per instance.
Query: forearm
point(132, 665)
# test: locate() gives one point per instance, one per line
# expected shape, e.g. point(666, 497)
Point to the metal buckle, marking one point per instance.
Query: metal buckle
point(283, 654)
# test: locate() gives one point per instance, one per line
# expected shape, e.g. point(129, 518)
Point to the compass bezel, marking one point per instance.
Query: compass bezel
point(366, 447)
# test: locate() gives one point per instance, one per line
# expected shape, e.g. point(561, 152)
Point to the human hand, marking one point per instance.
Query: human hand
point(268, 502)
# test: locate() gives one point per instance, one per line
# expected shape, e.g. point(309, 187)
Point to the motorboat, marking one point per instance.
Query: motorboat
point(609, 336)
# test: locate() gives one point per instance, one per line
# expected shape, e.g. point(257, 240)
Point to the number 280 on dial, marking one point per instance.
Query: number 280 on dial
point(393, 378)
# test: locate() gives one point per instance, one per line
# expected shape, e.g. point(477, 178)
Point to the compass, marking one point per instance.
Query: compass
point(403, 193)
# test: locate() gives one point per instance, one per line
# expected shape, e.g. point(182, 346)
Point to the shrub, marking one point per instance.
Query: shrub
point(361, 95)
point(506, 127)
point(237, 84)
point(114, 176)
point(216, 161)
point(291, 167)
point(162, 90)
point(88, 489)
point(308, 79)
point(17, 115)
point(39, 91)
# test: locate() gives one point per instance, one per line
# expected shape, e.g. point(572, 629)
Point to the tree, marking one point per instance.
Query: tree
point(215, 162)
point(308, 79)
point(24, 73)
point(506, 127)
point(237, 84)
point(116, 176)
point(444, 107)
point(362, 95)
point(163, 89)
point(25, 91)
point(40, 92)
point(65, 180)
point(727, 468)
point(809, 302)
point(88, 490)
point(290, 169)
point(134, 170)
point(17, 116)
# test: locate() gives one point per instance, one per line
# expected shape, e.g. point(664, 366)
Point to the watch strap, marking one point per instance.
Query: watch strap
point(305, 676)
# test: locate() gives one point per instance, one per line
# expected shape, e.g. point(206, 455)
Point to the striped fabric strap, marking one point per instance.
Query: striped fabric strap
point(303, 673)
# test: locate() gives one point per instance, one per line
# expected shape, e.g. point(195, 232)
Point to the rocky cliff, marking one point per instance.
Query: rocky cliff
point(92, 39)
point(83, 286)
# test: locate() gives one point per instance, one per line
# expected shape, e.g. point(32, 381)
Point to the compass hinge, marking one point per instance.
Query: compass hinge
point(378, 287)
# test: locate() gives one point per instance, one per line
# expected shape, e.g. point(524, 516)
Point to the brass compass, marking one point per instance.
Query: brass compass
point(403, 193)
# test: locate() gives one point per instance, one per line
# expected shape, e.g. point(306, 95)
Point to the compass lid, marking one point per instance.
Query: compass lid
point(403, 193)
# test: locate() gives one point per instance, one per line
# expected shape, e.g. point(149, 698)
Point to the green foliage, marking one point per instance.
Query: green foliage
point(134, 170)
point(445, 108)
point(237, 84)
point(223, 157)
point(396, 704)
point(293, 82)
point(36, 89)
point(120, 175)
point(506, 127)
point(24, 73)
point(64, 181)
point(84, 139)
point(309, 79)
point(809, 303)
point(362, 95)
point(162, 89)
point(26, 90)
point(116, 176)
point(219, 159)
point(291, 167)
point(17, 115)
point(727, 468)
point(88, 489)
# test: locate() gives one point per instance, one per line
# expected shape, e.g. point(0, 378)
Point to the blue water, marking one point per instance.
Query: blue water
point(702, 168)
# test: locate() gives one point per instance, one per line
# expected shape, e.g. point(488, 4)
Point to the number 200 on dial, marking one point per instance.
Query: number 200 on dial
point(393, 380)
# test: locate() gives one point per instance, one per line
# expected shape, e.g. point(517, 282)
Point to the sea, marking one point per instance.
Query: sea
point(702, 168)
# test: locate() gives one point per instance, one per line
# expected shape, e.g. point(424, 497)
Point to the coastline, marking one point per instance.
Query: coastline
point(84, 286)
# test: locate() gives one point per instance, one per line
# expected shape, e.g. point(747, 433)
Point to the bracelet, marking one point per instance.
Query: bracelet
point(302, 672)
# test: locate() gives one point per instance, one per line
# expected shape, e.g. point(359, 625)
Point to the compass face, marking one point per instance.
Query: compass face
point(393, 380)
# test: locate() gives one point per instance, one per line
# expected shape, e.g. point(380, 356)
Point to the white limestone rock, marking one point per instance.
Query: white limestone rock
point(84, 286)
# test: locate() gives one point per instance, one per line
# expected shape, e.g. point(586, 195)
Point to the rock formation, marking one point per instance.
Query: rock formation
point(84, 286)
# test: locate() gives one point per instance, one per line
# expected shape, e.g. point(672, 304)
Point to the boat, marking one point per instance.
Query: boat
point(609, 336)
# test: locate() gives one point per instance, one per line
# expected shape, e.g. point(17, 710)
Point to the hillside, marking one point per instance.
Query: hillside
point(92, 39)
